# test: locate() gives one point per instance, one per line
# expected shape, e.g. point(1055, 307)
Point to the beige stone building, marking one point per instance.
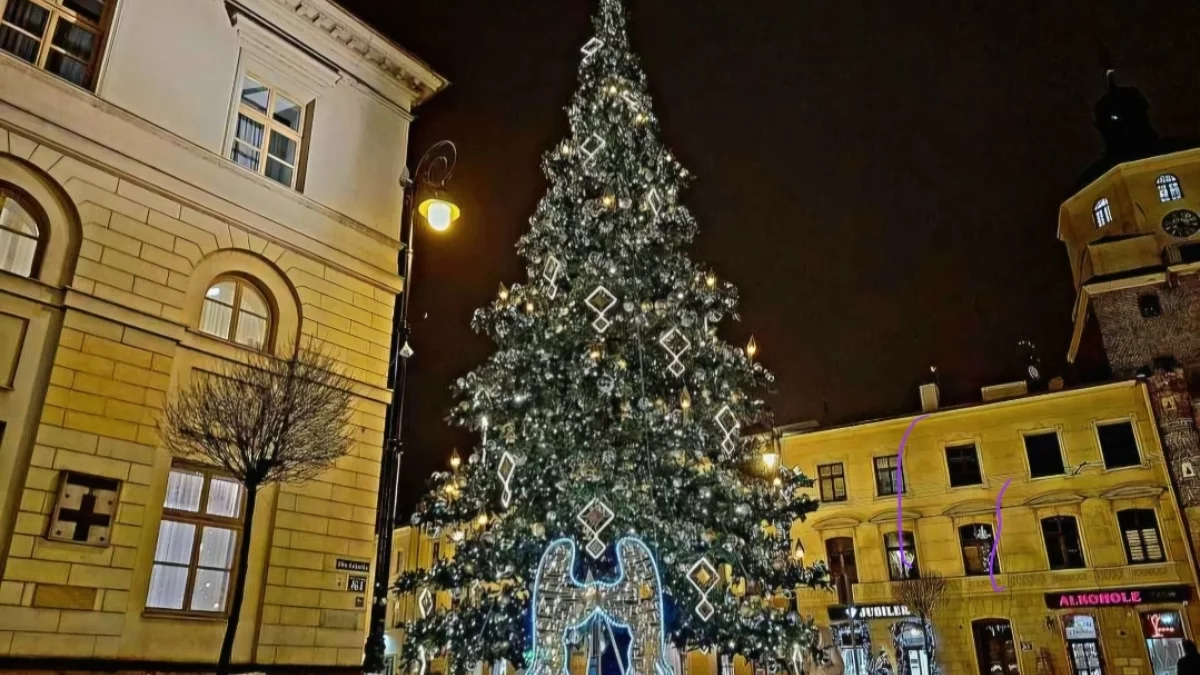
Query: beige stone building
point(1091, 560)
point(183, 182)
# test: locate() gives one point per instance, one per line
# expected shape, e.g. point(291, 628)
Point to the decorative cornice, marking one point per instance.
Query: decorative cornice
point(405, 69)
point(836, 522)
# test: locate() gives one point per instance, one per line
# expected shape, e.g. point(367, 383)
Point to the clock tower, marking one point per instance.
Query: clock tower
point(1133, 239)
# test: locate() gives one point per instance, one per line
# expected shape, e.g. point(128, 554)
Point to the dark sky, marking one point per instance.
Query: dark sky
point(880, 179)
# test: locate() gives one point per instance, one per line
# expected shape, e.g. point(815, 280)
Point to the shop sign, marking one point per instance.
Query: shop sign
point(860, 612)
point(356, 584)
point(1079, 627)
point(1162, 625)
point(353, 565)
point(1117, 597)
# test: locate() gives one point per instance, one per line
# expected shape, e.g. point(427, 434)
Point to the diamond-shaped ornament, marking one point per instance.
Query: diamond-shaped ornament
point(655, 201)
point(703, 576)
point(505, 469)
point(595, 517)
point(550, 274)
point(601, 300)
point(676, 344)
point(592, 46)
point(595, 548)
point(705, 609)
point(729, 426)
point(425, 602)
point(592, 147)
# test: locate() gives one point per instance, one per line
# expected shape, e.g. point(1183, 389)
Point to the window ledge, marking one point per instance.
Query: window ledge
point(151, 613)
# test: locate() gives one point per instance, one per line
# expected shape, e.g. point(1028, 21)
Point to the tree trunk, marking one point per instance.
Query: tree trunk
point(928, 643)
point(239, 583)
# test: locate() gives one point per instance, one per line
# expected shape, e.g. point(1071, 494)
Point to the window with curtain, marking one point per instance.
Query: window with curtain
point(978, 543)
point(887, 476)
point(197, 542)
point(20, 234)
point(60, 36)
point(897, 569)
point(1139, 531)
point(1061, 535)
point(235, 310)
point(1102, 212)
point(832, 482)
point(1168, 188)
point(268, 133)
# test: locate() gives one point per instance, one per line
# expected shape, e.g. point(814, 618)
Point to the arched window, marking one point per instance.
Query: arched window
point(235, 310)
point(1168, 188)
point(20, 234)
point(1102, 212)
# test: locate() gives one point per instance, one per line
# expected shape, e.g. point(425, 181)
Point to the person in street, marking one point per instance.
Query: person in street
point(1190, 663)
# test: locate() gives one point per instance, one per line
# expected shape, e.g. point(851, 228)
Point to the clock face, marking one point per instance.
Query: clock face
point(1033, 372)
point(1181, 223)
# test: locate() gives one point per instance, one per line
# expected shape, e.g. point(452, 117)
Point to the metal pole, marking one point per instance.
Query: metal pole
point(443, 154)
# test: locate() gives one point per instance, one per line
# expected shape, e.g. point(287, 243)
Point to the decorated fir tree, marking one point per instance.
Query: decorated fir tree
point(615, 423)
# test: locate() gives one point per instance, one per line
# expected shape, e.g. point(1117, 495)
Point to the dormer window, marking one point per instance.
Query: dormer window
point(1168, 188)
point(1102, 212)
point(268, 134)
point(61, 36)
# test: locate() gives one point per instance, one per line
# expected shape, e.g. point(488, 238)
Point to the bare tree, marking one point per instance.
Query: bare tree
point(268, 420)
point(923, 596)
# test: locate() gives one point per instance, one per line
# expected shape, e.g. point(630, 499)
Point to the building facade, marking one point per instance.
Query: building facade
point(184, 182)
point(1050, 516)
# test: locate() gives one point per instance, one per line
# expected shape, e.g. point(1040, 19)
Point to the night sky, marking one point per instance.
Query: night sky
point(881, 180)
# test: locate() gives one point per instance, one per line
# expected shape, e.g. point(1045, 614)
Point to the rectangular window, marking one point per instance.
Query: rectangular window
point(1061, 534)
point(977, 549)
point(1139, 531)
point(1044, 453)
point(901, 566)
point(197, 542)
point(887, 479)
point(1118, 445)
point(61, 36)
point(963, 463)
point(268, 133)
point(833, 482)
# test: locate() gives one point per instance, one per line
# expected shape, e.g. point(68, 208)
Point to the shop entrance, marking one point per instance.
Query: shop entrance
point(995, 649)
point(1163, 631)
point(853, 640)
point(1083, 644)
point(911, 652)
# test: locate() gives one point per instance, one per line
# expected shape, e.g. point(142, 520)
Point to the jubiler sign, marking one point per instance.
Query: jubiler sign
point(859, 612)
point(1117, 597)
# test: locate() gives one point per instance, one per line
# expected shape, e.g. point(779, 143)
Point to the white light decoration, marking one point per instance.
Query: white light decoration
point(505, 469)
point(592, 46)
point(592, 147)
point(562, 605)
point(703, 577)
point(655, 201)
point(630, 99)
point(425, 602)
point(550, 274)
point(676, 344)
point(729, 426)
point(595, 517)
point(601, 300)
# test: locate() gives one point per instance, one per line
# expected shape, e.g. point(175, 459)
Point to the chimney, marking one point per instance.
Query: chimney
point(999, 392)
point(930, 396)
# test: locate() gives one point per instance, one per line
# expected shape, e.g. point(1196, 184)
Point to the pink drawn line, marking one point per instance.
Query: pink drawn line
point(900, 491)
point(996, 539)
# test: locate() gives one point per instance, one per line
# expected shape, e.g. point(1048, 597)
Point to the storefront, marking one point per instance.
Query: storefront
point(899, 638)
point(1160, 613)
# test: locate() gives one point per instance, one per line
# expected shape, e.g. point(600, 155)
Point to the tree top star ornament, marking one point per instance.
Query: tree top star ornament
point(612, 409)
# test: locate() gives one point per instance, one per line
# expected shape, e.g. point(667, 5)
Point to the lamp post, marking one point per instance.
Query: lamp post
point(434, 169)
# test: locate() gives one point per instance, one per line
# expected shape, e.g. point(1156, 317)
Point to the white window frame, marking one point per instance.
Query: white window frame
point(59, 12)
point(1102, 212)
point(1137, 442)
point(1169, 188)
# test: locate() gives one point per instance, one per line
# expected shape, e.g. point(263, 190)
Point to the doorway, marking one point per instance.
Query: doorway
point(995, 649)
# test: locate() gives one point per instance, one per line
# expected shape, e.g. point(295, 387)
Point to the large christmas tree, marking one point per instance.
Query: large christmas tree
point(612, 410)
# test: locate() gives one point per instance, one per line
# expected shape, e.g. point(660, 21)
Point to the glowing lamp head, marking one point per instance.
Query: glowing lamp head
point(751, 347)
point(439, 213)
point(770, 458)
point(455, 460)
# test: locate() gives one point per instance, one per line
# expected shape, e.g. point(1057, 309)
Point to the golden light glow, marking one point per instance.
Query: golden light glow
point(710, 280)
point(439, 213)
point(482, 519)
point(612, 89)
point(455, 460)
point(503, 291)
point(529, 307)
point(770, 458)
point(608, 201)
point(799, 552)
point(751, 347)
point(685, 400)
point(778, 482)
point(595, 353)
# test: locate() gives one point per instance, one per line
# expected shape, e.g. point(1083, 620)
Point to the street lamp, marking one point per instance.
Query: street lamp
point(432, 173)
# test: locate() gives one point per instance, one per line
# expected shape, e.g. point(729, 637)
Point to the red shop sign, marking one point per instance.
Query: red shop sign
point(1117, 597)
point(1162, 625)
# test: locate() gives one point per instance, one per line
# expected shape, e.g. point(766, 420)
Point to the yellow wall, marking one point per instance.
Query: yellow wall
point(933, 511)
point(103, 350)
